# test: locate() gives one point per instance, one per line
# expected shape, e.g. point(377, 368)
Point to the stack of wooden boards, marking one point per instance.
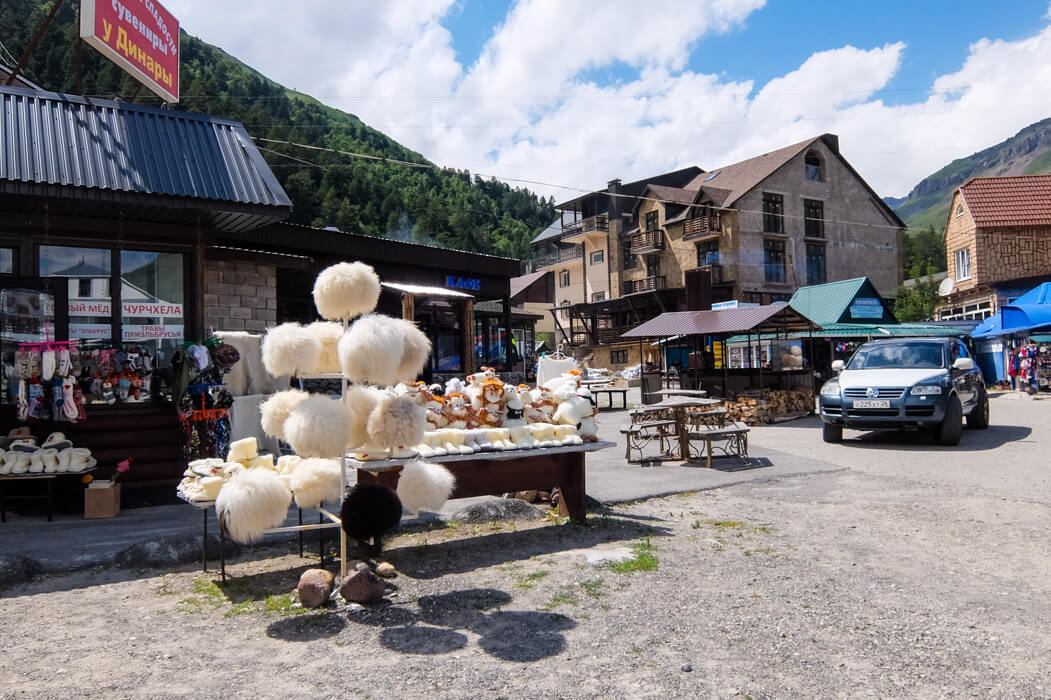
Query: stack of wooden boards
point(769, 405)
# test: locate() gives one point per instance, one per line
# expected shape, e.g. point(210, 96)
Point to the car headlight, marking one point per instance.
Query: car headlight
point(830, 388)
point(926, 389)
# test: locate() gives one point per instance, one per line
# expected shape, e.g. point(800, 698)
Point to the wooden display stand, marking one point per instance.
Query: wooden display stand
point(102, 503)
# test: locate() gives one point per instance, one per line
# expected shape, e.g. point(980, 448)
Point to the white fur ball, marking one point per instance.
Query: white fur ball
point(424, 486)
point(252, 502)
point(359, 401)
point(346, 290)
point(318, 427)
point(290, 349)
point(315, 481)
point(328, 334)
point(416, 349)
point(396, 421)
point(275, 411)
point(371, 350)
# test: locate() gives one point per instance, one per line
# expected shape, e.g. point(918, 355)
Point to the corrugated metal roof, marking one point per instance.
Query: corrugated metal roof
point(68, 141)
point(719, 322)
point(829, 303)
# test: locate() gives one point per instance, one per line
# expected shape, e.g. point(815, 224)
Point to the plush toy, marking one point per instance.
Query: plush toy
point(456, 411)
point(567, 434)
point(290, 349)
point(346, 290)
point(518, 432)
point(369, 512)
point(424, 486)
point(250, 503)
point(545, 402)
point(473, 390)
point(493, 397)
point(436, 412)
point(578, 410)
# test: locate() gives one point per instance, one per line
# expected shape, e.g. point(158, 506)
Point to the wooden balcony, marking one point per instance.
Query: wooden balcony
point(716, 272)
point(592, 224)
point(647, 242)
point(700, 226)
point(608, 336)
point(646, 284)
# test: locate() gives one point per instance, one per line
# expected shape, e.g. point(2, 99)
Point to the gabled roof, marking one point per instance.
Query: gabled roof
point(828, 304)
point(536, 287)
point(740, 178)
point(1023, 200)
point(554, 231)
point(675, 178)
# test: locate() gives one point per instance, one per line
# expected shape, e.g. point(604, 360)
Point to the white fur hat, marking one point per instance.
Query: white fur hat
point(318, 427)
point(378, 349)
point(346, 290)
point(417, 348)
point(328, 334)
point(274, 411)
point(251, 502)
point(424, 486)
point(359, 401)
point(290, 349)
point(396, 421)
point(315, 481)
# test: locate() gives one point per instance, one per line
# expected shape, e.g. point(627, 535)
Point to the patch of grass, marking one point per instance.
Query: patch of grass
point(207, 588)
point(190, 605)
point(284, 604)
point(528, 581)
point(726, 524)
point(242, 608)
point(761, 550)
point(763, 530)
point(643, 559)
point(563, 596)
point(592, 588)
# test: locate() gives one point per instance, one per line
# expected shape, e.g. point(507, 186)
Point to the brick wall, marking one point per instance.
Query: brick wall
point(239, 296)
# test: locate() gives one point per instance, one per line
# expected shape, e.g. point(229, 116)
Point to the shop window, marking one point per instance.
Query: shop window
point(773, 213)
point(563, 278)
point(89, 273)
point(497, 352)
point(813, 167)
point(813, 218)
point(629, 259)
point(618, 357)
point(598, 296)
point(598, 257)
point(653, 266)
point(774, 261)
point(815, 263)
point(7, 261)
point(708, 253)
point(963, 264)
point(652, 220)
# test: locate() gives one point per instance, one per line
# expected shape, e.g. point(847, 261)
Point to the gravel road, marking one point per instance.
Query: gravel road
point(843, 584)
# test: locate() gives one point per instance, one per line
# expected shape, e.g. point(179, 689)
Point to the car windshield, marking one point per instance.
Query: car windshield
point(919, 355)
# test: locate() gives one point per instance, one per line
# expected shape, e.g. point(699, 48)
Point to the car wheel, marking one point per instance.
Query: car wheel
point(831, 433)
point(949, 432)
point(979, 417)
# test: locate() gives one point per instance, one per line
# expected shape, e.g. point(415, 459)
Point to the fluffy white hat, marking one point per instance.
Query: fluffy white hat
point(424, 486)
point(251, 502)
point(396, 421)
point(328, 334)
point(290, 349)
point(318, 427)
point(275, 410)
point(346, 290)
point(378, 349)
point(315, 481)
point(359, 401)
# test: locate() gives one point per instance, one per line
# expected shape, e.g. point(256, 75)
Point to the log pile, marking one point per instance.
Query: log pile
point(769, 405)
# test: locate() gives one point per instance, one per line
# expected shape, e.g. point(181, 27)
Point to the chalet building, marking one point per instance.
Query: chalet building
point(750, 233)
point(997, 244)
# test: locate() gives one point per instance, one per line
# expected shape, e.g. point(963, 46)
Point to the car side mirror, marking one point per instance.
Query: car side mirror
point(838, 365)
point(963, 364)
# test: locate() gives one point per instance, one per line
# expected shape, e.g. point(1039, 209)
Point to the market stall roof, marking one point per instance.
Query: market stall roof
point(1015, 319)
point(536, 287)
point(770, 318)
point(1040, 294)
point(845, 301)
point(862, 330)
point(89, 156)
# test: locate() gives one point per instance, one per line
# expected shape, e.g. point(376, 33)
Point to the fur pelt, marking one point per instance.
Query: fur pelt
point(328, 334)
point(370, 511)
point(359, 402)
point(396, 421)
point(248, 375)
point(424, 486)
point(315, 481)
point(275, 411)
point(290, 349)
point(378, 349)
point(346, 290)
point(318, 427)
point(251, 502)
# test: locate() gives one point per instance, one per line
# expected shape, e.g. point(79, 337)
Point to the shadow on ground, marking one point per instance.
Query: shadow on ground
point(992, 438)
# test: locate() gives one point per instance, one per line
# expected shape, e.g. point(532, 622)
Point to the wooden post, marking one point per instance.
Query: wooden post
point(408, 306)
point(468, 336)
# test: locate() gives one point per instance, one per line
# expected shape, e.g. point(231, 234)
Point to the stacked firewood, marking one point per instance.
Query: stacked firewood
point(769, 405)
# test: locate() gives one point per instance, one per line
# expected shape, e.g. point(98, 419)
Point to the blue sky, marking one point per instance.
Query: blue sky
point(564, 95)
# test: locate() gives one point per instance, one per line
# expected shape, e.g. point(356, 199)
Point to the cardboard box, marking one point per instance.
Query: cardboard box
point(102, 503)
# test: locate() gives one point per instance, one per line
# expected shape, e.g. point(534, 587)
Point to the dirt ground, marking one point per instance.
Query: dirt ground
point(834, 585)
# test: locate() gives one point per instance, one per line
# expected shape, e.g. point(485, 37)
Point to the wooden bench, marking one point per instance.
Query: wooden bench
point(712, 418)
point(640, 435)
point(609, 392)
point(730, 440)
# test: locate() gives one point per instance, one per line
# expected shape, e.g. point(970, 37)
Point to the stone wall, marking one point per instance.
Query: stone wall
point(239, 296)
point(1012, 254)
point(959, 234)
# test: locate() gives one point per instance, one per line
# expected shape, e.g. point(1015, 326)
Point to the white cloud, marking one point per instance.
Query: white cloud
point(526, 109)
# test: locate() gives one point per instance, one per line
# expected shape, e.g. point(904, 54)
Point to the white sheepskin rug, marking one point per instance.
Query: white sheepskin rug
point(359, 401)
point(318, 427)
point(381, 350)
point(275, 411)
point(315, 481)
point(290, 349)
point(252, 502)
point(424, 486)
point(346, 290)
point(328, 334)
point(395, 422)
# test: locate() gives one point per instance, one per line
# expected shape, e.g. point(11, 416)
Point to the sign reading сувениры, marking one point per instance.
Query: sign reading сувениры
point(140, 36)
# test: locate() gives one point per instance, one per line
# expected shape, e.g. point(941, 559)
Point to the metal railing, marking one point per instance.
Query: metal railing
point(561, 256)
point(592, 223)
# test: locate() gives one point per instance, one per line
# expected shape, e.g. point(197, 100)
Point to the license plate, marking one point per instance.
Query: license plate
point(874, 403)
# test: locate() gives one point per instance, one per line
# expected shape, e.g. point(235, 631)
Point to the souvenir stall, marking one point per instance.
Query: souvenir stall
point(402, 443)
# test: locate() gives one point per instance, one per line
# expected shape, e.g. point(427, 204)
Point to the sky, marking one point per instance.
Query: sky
point(561, 96)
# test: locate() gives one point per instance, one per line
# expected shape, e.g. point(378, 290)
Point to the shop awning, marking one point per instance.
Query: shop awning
point(863, 330)
point(1015, 320)
point(536, 287)
point(772, 318)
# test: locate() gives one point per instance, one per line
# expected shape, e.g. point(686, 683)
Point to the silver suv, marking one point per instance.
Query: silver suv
point(905, 384)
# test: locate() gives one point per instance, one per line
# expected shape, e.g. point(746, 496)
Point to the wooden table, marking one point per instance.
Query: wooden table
point(609, 392)
point(49, 480)
point(679, 406)
point(694, 393)
point(496, 473)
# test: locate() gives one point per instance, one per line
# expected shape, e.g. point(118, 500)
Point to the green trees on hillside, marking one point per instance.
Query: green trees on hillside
point(440, 207)
point(923, 254)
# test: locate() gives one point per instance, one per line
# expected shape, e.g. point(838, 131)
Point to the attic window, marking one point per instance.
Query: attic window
point(959, 210)
point(814, 171)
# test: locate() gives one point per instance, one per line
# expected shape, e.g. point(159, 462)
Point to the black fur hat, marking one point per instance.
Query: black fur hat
point(369, 512)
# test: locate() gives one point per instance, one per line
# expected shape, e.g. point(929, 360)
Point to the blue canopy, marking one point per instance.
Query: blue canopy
point(1040, 294)
point(1014, 319)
